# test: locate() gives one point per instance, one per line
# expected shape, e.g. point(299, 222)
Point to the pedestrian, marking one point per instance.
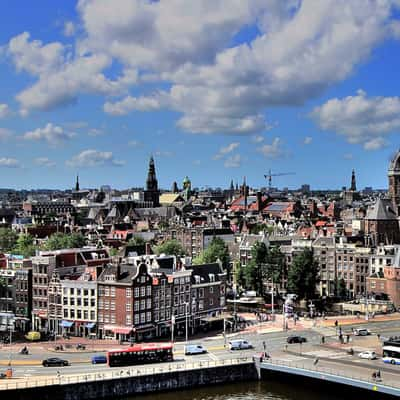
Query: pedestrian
point(336, 323)
point(347, 338)
point(322, 339)
point(378, 336)
point(316, 361)
point(264, 345)
point(378, 375)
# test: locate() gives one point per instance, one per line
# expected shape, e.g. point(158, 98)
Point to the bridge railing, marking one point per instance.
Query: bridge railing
point(318, 368)
point(117, 373)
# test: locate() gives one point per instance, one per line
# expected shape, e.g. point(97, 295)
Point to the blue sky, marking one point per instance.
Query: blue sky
point(215, 90)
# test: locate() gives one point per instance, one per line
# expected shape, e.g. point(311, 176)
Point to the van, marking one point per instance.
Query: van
point(195, 349)
point(32, 336)
point(361, 332)
point(99, 359)
point(240, 344)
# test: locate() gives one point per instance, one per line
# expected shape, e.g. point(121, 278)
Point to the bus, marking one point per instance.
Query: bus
point(391, 355)
point(141, 353)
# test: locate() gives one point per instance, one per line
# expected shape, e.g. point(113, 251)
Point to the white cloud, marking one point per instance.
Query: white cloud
point(273, 150)
point(187, 47)
point(375, 144)
point(226, 90)
point(307, 140)
point(9, 163)
point(50, 133)
point(257, 139)
point(348, 156)
point(5, 134)
point(233, 161)
point(69, 29)
point(4, 110)
point(94, 158)
point(44, 162)
point(361, 119)
point(223, 151)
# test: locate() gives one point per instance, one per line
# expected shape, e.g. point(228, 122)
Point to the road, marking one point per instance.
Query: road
point(27, 366)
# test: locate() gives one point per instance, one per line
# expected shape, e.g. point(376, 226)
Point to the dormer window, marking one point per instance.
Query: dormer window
point(212, 277)
point(197, 278)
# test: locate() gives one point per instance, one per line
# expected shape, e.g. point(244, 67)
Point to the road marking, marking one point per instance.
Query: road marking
point(213, 356)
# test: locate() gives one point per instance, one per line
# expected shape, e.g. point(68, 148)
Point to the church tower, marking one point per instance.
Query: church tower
point(151, 193)
point(77, 184)
point(353, 186)
point(394, 182)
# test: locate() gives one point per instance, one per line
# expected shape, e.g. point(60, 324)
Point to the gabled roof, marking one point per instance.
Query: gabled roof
point(382, 210)
point(204, 271)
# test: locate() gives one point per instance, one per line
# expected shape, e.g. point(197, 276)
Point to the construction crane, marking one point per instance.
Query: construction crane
point(270, 175)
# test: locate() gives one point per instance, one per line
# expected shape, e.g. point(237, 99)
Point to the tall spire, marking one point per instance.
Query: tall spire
point(77, 183)
point(151, 182)
point(353, 181)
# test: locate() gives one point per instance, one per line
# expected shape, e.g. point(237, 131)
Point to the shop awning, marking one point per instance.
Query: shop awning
point(145, 328)
point(66, 324)
point(90, 325)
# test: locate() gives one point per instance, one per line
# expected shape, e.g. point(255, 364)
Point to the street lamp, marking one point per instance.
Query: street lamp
point(186, 322)
point(172, 329)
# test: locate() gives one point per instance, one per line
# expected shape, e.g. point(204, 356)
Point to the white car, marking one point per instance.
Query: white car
point(361, 332)
point(368, 355)
point(240, 344)
point(195, 349)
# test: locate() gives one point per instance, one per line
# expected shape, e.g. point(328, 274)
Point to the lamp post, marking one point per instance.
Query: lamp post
point(272, 300)
point(172, 329)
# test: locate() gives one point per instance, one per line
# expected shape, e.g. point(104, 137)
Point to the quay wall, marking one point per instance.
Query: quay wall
point(128, 385)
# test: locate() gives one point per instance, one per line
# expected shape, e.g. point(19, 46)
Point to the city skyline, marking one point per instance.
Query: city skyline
point(227, 92)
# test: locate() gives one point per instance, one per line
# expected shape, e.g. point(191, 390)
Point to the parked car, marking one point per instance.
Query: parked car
point(195, 349)
point(99, 359)
point(361, 332)
point(33, 336)
point(240, 344)
point(296, 339)
point(55, 362)
point(368, 355)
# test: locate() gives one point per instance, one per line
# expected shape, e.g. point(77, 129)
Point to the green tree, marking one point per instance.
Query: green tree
point(303, 275)
point(136, 241)
point(216, 250)
point(170, 247)
point(59, 241)
point(8, 239)
point(25, 245)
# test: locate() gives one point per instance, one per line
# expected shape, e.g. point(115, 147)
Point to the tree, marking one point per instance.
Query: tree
point(136, 241)
point(25, 245)
point(59, 241)
point(217, 250)
point(170, 247)
point(341, 288)
point(303, 275)
point(8, 239)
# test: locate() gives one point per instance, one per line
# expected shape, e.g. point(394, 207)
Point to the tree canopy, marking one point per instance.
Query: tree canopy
point(59, 241)
point(170, 247)
point(136, 240)
point(8, 239)
point(216, 250)
point(25, 245)
point(303, 275)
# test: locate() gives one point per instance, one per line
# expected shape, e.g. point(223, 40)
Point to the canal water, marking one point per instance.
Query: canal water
point(247, 391)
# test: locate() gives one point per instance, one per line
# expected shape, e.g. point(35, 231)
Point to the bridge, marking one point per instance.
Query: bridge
point(335, 372)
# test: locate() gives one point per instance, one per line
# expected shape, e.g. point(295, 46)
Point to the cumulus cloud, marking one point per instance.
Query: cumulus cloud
point(257, 139)
point(44, 162)
point(69, 29)
point(216, 87)
point(233, 161)
point(50, 133)
point(273, 150)
point(361, 119)
point(94, 158)
point(307, 140)
point(223, 151)
point(4, 110)
point(9, 163)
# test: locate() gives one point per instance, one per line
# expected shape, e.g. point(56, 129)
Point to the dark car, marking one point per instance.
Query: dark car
point(296, 339)
point(99, 359)
point(55, 362)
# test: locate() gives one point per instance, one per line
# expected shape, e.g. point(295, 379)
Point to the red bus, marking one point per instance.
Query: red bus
point(142, 353)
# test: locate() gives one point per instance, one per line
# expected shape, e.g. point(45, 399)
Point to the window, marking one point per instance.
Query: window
point(128, 306)
point(113, 318)
point(211, 289)
point(106, 291)
point(142, 304)
point(143, 318)
point(79, 314)
point(148, 303)
point(201, 292)
point(72, 313)
point(136, 306)
point(112, 305)
point(136, 319)
point(86, 302)
point(156, 316)
point(128, 292)
point(112, 294)
point(211, 302)
point(128, 320)
point(92, 315)
point(71, 291)
point(148, 316)
point(78, 301)
point(136, 292)
point(148, 290)
point(92, 292)
point(143, 291)
point(142, 279)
